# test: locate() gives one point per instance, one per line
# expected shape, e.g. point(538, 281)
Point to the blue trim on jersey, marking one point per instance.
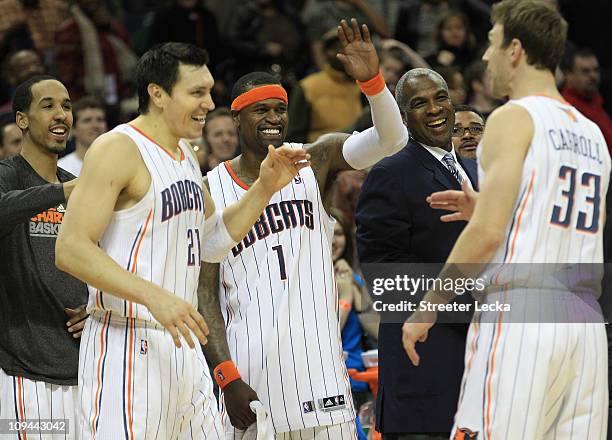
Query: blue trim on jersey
point(125, 429)
point(103, 367)
point(133, 246)
point(518, 205)
point(15, 400)
point(128, 264)
point(484, 389)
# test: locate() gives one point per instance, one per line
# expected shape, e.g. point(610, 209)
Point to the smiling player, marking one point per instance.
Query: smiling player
point(282, 341)
point(135, 232)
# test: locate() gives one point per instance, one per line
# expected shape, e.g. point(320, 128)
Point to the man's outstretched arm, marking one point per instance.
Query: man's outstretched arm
point(337, 151)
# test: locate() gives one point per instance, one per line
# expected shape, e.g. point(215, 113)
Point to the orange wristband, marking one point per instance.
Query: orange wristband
point(373, 86)
point(225, 373)
point(344, 305)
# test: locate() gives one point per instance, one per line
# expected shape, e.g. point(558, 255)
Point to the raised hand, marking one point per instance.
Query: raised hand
point(281, 165)
point(358, 53)
point(461, 202)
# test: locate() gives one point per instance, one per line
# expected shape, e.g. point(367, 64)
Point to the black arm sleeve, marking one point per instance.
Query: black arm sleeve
point(17, 206)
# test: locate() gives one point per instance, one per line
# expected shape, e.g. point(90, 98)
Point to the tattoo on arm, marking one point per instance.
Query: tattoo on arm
point(217, 350)
point(327, 158)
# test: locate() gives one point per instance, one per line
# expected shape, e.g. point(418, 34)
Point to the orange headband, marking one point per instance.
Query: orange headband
point(259, 94)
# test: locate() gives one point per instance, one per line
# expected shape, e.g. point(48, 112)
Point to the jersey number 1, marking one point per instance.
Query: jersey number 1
point(593, 183)
point(281, 260)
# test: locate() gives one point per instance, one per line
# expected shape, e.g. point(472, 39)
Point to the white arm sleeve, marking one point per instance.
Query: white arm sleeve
point(388, 136)
point(216, 241)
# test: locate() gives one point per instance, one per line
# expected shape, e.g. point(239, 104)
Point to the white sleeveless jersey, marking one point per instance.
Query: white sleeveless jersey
point(280, 304)
point(559, 214)
point(157, 239)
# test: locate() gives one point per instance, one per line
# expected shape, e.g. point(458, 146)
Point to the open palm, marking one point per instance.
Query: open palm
point(358, 53)
point(281, 165)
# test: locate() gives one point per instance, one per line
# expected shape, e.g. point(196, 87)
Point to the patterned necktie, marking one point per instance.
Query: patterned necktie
point(450, 163)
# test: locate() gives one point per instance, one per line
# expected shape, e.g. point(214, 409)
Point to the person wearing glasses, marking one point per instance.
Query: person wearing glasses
point(468, 129)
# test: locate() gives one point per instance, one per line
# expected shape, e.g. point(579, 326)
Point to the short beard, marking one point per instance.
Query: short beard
point(56, 149)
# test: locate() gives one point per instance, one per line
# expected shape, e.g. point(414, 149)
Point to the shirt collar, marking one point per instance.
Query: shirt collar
point(439, 153)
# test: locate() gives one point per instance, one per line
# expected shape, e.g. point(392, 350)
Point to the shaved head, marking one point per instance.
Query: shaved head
point(409, 77)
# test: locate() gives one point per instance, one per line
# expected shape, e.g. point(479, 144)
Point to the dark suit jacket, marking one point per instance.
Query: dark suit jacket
point(395, 224)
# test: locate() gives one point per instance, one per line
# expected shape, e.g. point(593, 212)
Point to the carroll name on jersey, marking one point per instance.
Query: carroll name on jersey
point(568, 140)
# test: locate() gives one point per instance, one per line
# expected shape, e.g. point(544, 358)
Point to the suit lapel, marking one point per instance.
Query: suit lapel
point(471, 171)
point(440, 173)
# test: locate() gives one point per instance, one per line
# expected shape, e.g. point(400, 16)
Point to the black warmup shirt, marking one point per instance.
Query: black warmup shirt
point(34, 339)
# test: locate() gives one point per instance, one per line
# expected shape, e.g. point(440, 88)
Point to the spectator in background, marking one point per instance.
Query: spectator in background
point(468, 130)
point(418, 21)
point(187, 21)
point(89, 123)
point(456, 84)
point(266, 35)
point(30, 24)
point(324, 101)
point(352, 303)
point(93, 55)
point(19, 67)
point(582, 77)
point(417, 24)
point(479, 91)
point(456, 42)
point(396, 58)
point(345, 193)
point(321, 15)
point(220, 138)
point(10, 136)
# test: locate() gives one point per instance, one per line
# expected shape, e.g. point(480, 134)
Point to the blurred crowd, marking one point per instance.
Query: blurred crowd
point(92, 47)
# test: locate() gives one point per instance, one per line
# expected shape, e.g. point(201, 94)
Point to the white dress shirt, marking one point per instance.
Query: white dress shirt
point(439, 153)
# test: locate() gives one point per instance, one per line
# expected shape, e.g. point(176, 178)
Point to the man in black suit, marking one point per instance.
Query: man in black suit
point(395, 224)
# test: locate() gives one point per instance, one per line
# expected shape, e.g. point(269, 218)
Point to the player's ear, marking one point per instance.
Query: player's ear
point(156, 94)
point(516, 51)
point(236, 118)
point(22, 121)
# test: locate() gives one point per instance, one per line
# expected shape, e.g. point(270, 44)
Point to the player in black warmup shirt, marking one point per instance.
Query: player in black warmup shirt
point(38, 349)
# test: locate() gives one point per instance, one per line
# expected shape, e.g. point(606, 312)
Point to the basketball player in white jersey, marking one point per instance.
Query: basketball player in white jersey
point(135, 232)
point(545, 171)
point(276, 288)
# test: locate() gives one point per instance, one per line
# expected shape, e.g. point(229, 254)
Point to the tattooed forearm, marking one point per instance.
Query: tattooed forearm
point(217, 350)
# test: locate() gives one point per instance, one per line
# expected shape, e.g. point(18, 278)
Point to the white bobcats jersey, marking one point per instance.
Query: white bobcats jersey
point(280, 304)
point(157, 239)
point(560, 212)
